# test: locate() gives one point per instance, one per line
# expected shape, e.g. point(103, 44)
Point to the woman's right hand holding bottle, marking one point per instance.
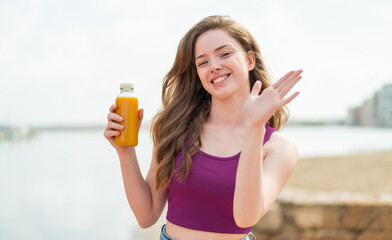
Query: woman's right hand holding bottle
point(114, 127)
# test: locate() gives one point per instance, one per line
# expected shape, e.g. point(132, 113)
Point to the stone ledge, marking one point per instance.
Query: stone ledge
point(373, 235)
point(320, 220)
point(326, 234)
point(309, 197)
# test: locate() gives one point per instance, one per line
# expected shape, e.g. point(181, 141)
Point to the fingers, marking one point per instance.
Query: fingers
point(115, 117)
point(285, 88)
point(287, 79)
point(256, 88)
point(278, 83)
point(112, 129)
point(110, 133)
point(114, 126)
point(141, 114)
point(113, 108)
point(288, 83)
point(289, 99)
point(290, 79)
point(112, 116)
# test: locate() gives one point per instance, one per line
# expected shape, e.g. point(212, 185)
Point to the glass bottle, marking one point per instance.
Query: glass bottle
point(127, 107)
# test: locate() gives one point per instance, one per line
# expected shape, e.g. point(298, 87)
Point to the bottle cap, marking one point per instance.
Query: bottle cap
point(126, 85)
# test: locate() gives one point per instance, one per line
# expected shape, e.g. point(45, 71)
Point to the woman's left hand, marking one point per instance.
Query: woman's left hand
point(258, 109)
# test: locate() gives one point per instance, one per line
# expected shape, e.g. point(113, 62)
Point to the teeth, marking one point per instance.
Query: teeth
point(220, 79)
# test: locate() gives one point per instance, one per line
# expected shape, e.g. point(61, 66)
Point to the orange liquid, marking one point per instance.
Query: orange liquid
point(127, 107)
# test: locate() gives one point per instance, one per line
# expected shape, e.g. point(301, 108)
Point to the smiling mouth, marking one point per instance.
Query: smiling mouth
point(218, 80)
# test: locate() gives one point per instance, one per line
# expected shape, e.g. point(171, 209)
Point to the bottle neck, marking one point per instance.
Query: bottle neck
point(126, 92)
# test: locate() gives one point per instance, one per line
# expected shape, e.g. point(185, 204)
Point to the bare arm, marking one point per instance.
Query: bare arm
point(262, 174)
point(278, 165)
point(145, 201)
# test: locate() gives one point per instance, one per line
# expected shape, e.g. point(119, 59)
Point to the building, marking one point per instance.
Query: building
point(376, 111)
point(354, 116)
point(384, 106)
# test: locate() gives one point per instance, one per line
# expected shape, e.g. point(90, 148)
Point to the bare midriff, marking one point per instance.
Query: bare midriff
point(181, 233)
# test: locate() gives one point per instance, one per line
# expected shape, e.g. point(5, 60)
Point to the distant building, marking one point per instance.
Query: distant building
point(367, 113)
point(376, 111)
point(384, 106)
point(354, 116)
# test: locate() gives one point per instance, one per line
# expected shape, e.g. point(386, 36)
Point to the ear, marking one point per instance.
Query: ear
point(251, 60)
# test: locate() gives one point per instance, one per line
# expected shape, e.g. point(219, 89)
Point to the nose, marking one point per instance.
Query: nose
point(215, 65)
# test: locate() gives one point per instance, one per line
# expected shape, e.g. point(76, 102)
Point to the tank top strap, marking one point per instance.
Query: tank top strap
point(268, 132)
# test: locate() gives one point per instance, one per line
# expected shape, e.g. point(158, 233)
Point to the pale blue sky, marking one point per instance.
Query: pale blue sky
point(61, 62)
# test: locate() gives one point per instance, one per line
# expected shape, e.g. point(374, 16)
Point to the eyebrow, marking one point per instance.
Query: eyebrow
point(217, 49)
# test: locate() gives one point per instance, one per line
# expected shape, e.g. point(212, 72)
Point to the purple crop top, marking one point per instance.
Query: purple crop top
point(205, 200)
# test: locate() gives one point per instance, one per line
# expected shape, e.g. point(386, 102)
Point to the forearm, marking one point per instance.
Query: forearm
point(248, 195)
point(136, 188)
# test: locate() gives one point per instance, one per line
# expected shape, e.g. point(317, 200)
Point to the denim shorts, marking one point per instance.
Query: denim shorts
point(164, 235)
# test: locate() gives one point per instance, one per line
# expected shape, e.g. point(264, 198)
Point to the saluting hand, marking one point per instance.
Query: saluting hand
point(258, 109)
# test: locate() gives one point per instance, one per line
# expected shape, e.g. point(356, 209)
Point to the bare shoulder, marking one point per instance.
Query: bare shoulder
point(281, 149)
point(279, 140)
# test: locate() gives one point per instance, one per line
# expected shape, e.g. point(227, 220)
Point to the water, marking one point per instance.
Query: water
point(64, 185)
point(68, 185)
point(339, 140)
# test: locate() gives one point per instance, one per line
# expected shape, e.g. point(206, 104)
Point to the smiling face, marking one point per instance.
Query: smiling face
point(222, 64)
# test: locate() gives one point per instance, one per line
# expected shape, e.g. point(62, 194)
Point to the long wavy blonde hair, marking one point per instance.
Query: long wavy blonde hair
point(186, 104)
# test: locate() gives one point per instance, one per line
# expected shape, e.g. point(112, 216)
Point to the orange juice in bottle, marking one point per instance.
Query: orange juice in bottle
point(127, 107)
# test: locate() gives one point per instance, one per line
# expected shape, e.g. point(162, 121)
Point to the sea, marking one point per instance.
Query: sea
point(67, 184)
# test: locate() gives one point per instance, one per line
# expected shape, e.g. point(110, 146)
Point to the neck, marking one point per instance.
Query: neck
point(228, 112)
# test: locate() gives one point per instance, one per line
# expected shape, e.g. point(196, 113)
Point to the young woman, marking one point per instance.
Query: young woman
point(218, 159)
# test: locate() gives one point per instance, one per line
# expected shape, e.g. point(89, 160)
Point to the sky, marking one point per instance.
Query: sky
point(61, 62)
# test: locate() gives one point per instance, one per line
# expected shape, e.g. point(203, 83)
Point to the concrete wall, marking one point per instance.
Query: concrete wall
point(324, 221)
